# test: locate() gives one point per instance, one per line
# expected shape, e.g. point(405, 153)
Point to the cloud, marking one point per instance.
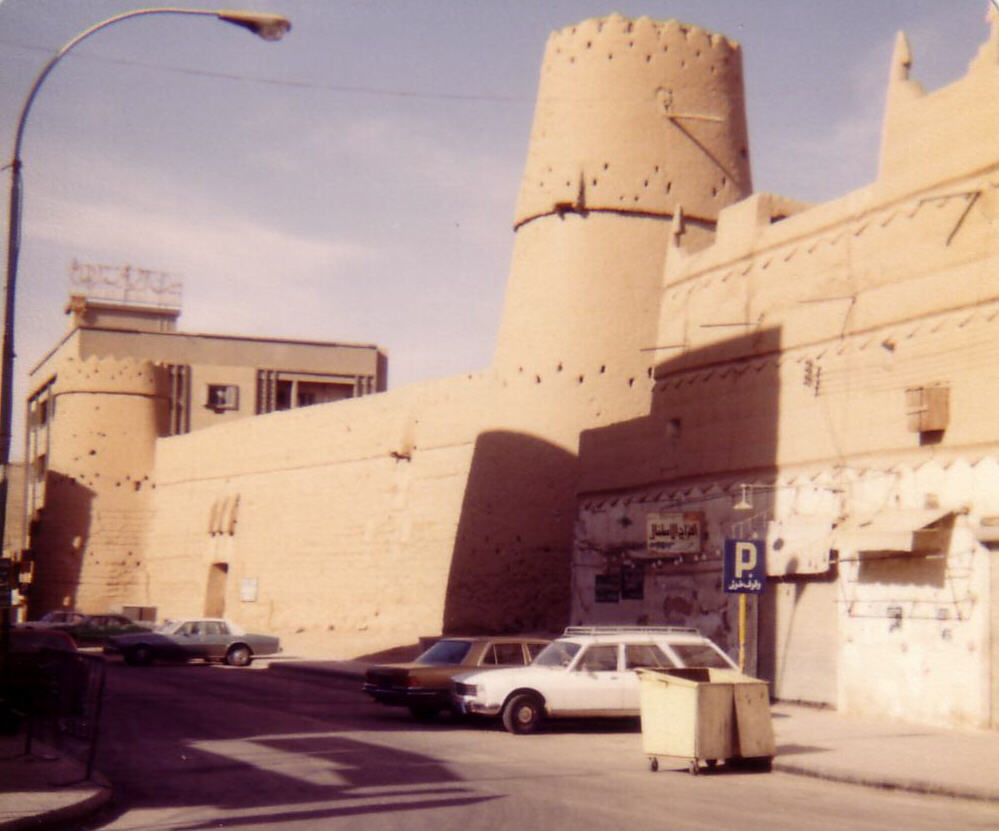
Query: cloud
point(213, 241)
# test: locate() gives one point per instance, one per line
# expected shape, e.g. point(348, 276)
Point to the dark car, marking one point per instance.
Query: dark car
point(58, 618)
point(210, 639)
point(93, 630)
point(31, 660)
point(424, 685)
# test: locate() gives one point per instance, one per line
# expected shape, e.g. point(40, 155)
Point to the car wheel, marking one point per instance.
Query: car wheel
point(522, 713)
point(239, 655)
point(139, 656)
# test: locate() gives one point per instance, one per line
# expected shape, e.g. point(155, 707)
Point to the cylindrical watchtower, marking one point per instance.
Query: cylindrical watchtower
point(92, 453)
point(637, 124)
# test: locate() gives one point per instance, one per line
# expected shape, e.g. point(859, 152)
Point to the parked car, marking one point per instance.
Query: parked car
point(60, 617)
point(424, 685)
point(211, 639)
point(589, 671)
point(96, 629)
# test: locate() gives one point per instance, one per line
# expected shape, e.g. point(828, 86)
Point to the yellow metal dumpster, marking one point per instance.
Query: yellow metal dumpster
point(702, 714)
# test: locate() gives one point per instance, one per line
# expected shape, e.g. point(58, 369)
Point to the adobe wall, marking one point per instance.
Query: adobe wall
point(790, 347)
point(449, 506)
point(367, 523)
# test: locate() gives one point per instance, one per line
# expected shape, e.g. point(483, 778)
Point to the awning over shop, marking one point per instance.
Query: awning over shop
point(916, 531)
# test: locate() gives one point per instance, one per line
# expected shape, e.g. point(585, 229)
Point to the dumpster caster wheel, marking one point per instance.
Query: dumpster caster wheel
point(653, 765)
point(693, 768)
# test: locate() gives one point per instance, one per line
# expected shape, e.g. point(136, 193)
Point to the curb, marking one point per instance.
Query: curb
point(919, 786)
point(79, 810)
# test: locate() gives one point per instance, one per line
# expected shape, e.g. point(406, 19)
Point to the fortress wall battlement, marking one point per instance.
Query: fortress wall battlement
point(637, 116)
point(951, 131)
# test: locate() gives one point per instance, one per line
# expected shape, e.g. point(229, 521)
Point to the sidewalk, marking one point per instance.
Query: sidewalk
point(47, 787)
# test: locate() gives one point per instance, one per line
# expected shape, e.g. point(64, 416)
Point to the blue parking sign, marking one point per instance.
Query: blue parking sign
point(744, 566)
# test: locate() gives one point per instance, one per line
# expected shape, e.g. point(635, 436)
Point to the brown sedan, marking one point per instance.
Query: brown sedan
point(424, 685)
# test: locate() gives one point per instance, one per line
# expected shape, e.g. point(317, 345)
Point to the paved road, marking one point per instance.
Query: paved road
point(199, 747)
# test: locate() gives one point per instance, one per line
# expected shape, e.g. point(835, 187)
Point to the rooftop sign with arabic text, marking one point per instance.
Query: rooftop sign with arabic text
point(125, 284)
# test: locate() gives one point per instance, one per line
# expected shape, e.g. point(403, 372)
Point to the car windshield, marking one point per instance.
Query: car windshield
point(557, 654)
point(700, 655)
point(445, 652)
point(169, 627)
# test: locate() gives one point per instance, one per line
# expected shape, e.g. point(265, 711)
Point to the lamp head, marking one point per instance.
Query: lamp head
point(267, 26)
point(744, 504)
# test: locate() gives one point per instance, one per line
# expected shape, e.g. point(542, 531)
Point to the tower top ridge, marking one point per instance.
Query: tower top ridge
point(616, 27)
point(637, 117)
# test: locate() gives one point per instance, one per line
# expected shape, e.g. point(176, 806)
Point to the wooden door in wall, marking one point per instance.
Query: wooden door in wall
point(215, 593)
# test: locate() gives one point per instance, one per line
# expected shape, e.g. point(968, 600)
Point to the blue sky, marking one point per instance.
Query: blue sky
point(356, 181)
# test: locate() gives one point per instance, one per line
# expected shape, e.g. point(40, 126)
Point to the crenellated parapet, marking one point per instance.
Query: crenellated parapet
point(637, 116)
point(930, 138)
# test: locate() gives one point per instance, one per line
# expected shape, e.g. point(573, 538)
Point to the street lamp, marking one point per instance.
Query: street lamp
point(267, 26)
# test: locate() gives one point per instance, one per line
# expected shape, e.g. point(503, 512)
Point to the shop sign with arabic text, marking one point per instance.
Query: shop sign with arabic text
point(675, 533)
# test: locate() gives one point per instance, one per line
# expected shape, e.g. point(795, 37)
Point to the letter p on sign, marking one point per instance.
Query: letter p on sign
point(745, 559)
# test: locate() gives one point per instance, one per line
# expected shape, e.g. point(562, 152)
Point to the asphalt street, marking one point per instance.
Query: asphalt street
point(198, 747)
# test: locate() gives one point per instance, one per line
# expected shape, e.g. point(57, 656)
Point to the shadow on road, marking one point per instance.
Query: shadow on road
point(217, 748)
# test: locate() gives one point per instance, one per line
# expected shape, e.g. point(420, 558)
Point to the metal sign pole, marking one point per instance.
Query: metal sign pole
point(742, 632)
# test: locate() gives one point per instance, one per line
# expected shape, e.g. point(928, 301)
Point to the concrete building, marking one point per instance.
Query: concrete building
point(680, 362)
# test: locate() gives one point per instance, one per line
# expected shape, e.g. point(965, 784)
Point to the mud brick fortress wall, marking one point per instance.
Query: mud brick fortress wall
point(450, 505)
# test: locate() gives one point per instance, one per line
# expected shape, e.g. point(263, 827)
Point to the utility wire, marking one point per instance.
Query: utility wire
point(257, 79)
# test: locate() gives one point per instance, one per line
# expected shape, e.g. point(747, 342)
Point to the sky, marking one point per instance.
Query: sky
point(356, 181)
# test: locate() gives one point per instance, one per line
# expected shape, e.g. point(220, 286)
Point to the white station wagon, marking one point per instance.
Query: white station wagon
point(589, 671)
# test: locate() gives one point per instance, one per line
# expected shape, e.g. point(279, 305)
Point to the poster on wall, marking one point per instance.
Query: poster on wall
point(248, 590)
point(674, 533)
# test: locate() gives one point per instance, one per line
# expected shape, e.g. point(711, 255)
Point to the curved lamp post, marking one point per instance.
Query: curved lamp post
point(267, 26)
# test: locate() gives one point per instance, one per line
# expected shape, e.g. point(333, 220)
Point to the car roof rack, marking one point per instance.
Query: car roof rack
point(616, 630)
